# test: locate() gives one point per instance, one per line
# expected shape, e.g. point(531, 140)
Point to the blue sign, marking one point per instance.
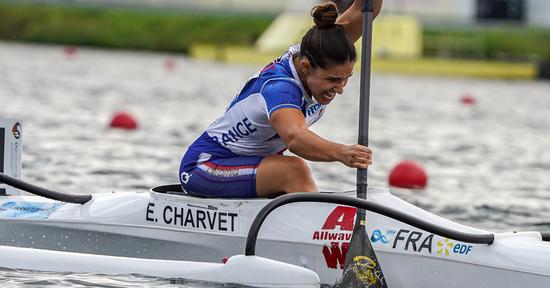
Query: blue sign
point(377, 235)
point(28, 210)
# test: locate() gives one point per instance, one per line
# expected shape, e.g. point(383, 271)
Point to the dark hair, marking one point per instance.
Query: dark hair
point(326, 43)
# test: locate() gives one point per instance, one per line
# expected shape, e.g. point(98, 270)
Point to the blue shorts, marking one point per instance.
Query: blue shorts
point(221, 177)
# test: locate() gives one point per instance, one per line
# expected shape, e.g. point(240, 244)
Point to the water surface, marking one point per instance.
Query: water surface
point(488, 163)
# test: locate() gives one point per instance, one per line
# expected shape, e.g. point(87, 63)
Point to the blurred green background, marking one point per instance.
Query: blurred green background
point(176, 30)
point(128, 28)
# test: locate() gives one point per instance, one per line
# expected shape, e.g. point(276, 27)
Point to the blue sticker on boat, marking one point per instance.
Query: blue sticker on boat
point(28, 210)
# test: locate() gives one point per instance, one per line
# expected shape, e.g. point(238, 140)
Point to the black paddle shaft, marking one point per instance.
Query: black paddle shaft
point(362, 268)
point(364, 90)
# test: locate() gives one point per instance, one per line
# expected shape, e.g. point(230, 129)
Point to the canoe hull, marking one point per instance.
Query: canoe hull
point(311, 235)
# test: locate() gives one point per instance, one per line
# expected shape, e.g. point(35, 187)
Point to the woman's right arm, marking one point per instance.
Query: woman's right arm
point(352, 19)
point(291, 126)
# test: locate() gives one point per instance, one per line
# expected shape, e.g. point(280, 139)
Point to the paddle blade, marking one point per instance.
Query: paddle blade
point(362, 268)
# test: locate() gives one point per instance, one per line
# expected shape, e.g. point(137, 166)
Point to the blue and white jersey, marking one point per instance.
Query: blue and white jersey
point(244, 128)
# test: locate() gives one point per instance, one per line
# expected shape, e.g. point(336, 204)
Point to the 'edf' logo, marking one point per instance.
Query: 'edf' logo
point(447, 246)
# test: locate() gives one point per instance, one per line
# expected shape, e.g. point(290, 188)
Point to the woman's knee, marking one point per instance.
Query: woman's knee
point(285, 174)
point(298, 168)
point(299, 176)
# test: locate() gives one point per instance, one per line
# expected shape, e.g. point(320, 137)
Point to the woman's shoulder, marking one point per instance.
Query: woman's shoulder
point(277, 72)
point(292, 50)
point(287, 85)
point(281, 68)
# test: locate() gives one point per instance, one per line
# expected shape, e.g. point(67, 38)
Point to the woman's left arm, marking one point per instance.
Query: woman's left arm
point(352, 19)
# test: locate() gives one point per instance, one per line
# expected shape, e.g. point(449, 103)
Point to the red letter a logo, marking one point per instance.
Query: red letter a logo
point(342, 216)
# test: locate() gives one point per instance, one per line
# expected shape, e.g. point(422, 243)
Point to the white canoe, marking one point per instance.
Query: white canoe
point(168, 226)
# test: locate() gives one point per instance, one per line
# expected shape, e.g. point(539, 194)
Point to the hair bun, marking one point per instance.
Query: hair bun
point(325, 15)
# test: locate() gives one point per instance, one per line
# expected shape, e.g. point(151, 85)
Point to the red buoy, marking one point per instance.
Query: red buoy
point(468, 99)
point(408, 174)
point(69, 51)
point(170, 64)
point(124, 120)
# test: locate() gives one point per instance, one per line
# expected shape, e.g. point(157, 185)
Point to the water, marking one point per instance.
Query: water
point(20, 278)
point(488, 163)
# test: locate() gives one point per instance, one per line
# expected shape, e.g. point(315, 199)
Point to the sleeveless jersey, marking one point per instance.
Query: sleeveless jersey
point(244, 128)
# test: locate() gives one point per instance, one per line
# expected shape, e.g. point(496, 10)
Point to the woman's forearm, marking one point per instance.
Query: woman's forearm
point(314, 148)
point(352, 19)
point(310, 146)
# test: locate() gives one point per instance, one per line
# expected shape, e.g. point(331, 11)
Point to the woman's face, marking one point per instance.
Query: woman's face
point(324, 84)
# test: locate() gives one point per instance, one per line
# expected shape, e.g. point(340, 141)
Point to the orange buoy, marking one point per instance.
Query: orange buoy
point(468, 99)
point(124, 120)
point(408, 174)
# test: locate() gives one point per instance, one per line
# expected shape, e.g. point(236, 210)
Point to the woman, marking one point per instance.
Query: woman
point(241, 154)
